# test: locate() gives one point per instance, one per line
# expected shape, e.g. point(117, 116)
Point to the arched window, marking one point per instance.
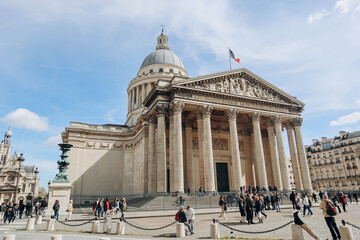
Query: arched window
point(161, 70)
point(151, 71)
point(171, 71)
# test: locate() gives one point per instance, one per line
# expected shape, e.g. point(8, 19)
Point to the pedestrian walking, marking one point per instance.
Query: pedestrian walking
point(21, 208)
point(190, 215)
point(223, 207)
point(56, 208)
point(355, 195)
point(249, 209)
point(43, 205)
point(277, 202)
point(298, 220)
point(292, 199)
point(241, 209)
point(307, 205)
point(329, 211)
point(123, 207)
point(28, 208)
point(342, 199)
point(314, 197)
point(69, 210)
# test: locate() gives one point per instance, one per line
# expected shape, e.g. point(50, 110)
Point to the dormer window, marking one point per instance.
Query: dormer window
point(171, 71)
point(151, 71)
point(161, 70)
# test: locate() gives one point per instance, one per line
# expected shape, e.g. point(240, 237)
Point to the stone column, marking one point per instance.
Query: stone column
point(129, 101)
point(200, 177)
point(190, 164)
point(235, 151)
point(305, 174)
point(208, 150)
point(143, 92)
point(132, 99)
point(282, 155)
point(148, 88)
point(294, 157)
point(161, 149)
point(275, 165)
point(178, 148)
point(137, 97)
point(151, 157)
point(259, 151)
point(171, 148)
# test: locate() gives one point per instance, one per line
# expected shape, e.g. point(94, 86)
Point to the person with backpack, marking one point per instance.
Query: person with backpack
point(298, 220)
point(180, 217)
point(56, 208)
point(329, 211)
point(43, 205)
point(342, 199)
point(223, 207)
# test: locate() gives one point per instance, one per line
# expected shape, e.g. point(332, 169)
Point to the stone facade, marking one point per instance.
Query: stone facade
point(334, 162)
point(9, 174)
point(219, 132)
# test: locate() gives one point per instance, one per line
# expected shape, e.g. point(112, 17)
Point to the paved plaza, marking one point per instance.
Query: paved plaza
point(202, 226)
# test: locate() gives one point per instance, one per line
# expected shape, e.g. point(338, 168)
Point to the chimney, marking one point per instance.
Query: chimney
point(314, 140)
point(323, 138)
point(342, 133)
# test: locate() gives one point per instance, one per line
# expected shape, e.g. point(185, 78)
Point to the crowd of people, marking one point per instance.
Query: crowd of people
point(11, 210)
point(103, 206)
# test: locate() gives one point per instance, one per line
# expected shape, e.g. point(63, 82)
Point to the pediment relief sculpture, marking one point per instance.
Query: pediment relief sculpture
point(242, 87)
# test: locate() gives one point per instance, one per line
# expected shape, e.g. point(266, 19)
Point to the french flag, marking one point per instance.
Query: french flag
point(232, 55)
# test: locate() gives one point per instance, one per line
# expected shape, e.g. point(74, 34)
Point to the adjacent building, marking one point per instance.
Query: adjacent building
point(13, 176)
point(218, 131)
point(334, 163)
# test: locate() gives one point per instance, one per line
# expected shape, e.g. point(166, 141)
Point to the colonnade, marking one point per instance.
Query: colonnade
point(196, 176)
point(137, 95)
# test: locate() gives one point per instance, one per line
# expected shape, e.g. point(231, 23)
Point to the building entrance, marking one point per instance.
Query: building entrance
point(222, 177)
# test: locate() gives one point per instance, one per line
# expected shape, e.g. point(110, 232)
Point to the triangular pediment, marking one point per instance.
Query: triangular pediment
point(242, 83)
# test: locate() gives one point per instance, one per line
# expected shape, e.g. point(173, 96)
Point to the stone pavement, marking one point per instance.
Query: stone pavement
point(202, 226)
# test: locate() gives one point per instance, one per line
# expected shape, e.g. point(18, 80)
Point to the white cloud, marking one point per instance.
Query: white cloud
point(317, 16)
point(24, 118)
point(53, 141)
point(347, 119)
point(358, 103)
point(345, 5)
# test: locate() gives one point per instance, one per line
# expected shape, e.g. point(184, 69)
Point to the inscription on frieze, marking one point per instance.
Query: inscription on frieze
point(217, 143)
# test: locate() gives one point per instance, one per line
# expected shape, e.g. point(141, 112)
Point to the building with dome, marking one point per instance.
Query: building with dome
point(10, 175)
point(218, 131)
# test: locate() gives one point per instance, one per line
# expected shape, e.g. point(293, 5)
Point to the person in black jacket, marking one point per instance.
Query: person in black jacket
point(241, 209)
point(56, 209)
point(29, 207)
point(292, 199)
point(249, 209)
point(298, 220)
point(183, 219)
point(21, 208)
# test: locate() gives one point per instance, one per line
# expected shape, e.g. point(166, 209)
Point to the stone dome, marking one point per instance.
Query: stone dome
point(162, 56)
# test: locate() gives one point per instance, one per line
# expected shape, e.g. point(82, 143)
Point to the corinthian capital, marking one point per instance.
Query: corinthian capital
point(161, 109)
point(232, 114)
point(297, 121)
point(278, 119)
point(255, 116)
point(206, 111)
point(176, 107)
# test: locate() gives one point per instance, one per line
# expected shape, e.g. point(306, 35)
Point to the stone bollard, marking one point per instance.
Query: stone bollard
point(120, 228)
point(56, 237)
point(346, 233)
point(50, 225)
point(214, 231)
point(9, 237)
point(297, 233)
point(180, 230)
point(30, 224)
point(95, 227)
point(38, 220)
point(107, 223)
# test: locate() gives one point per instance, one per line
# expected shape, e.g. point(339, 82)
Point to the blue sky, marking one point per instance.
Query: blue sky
point(63, 61)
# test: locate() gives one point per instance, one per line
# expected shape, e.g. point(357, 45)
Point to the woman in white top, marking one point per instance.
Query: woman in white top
point(69, 210)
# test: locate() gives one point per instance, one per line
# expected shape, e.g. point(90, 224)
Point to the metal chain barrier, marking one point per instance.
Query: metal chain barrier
point(343, 222)
point(75, 225)
point(148, 229)
point(248, 232)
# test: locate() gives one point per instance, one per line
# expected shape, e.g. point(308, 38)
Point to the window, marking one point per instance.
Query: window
point(3, 159)
point(23, 188)
point(327, 145)
point(161, 70)
point(151, 71)
point(171, 71)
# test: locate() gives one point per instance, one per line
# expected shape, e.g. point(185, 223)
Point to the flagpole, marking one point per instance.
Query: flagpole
point(229, 58)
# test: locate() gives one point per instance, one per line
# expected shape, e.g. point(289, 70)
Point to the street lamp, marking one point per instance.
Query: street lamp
point(36, 173)
point(21, 159)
